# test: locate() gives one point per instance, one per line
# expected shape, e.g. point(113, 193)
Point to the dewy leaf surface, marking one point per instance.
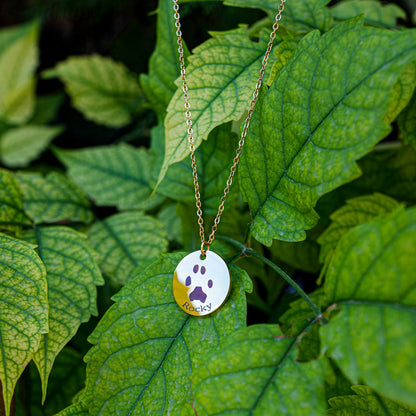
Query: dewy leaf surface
point(72, 276)
point(126, 241)
point(145, 345)
point(221, 74)
point(23, 310)
point(311, 126)
point(356, 211)
point(117, 175)
point(53, 198)
point(20, 145)
point(103, 90)
point(367, 402)
point(18, 62)
point(372, 278)
point(255, 373)
point(12, 214)
point(159, 83)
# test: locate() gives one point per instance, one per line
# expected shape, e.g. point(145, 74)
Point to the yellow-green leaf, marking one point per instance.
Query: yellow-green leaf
point(312, 125)
point(159, 83)
point(375, 13)
point(221, 74)
point(20, 145)
point(53, 198)
point(18, 62)
point(367, 402)
point(125, 242)
point(12, 214)
point(372, 279)
point(255, 372)
point(117, 175)
point(72, 276)
point(145, 346)
point(407, 123)
point(103, 90)
point(356, 211)
point(23, 310)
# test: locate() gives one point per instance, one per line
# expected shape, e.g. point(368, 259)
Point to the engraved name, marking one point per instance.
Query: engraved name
point(198, 309)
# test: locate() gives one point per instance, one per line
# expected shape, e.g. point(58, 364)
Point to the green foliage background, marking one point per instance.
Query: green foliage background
point(97, 208)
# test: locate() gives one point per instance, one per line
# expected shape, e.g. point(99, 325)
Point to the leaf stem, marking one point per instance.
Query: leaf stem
point(250, 252)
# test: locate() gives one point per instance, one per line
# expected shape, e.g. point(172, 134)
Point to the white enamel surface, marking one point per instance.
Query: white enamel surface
point(200, 287)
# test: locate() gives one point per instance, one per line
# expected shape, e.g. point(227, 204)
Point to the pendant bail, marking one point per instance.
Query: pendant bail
point(204, 248)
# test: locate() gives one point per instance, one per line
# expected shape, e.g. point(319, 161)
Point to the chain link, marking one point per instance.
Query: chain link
point(205, 244)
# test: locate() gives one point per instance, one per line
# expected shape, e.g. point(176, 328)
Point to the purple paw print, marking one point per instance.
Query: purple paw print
point(198, 293)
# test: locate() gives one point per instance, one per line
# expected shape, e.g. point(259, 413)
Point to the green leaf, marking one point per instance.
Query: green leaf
point(72, 276)
point(66, 379)
point(12, 215)
point(221, 75)
point(298, 15)
point(303, 16)
point(53, 198)
point(46, 108)
point(23, 310)
point(170, 222)
point(214, 159)
point(255, 372)
point(388, 169)
point(356, 211)
point(301, 255)
point(402, 92)
point(371, 278)
point(145, 345)
point(407, 123)
point(76, 409)
point(20, 145)
point(375, 13)
point(127, 241)
point(18, 62)
point(367, 402)
point(117, 175)
point(159, 83)
point(104, 91)
point(330, 116)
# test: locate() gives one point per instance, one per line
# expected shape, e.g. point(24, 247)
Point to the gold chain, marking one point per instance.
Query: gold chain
point(205, 244)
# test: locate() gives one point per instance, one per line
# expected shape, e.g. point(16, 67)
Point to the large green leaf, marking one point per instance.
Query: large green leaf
point(371, 277)
point(367, 402)
point(329, 116)
point(23, 310)
point(20, 145)
point(18, 62)
point(255, 372)
point(12, 215)
point(407, 123)
point(72, 276)
point(104, 91)
point(375, 13)
point(356, 211)
point(117, 175)
point(159, 83)
point(127, 241)
point(145, 346)
point(221, 74)
point(53, 198)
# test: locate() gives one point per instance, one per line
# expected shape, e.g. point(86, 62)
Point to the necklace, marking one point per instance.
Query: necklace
point(201, 282)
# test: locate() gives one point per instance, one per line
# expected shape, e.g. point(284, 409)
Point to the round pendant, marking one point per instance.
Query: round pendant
point(200, 287)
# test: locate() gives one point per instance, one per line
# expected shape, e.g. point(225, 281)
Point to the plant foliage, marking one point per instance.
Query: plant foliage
point(319, 229)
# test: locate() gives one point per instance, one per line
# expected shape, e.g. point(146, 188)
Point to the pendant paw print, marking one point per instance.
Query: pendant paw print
point(201, 286)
